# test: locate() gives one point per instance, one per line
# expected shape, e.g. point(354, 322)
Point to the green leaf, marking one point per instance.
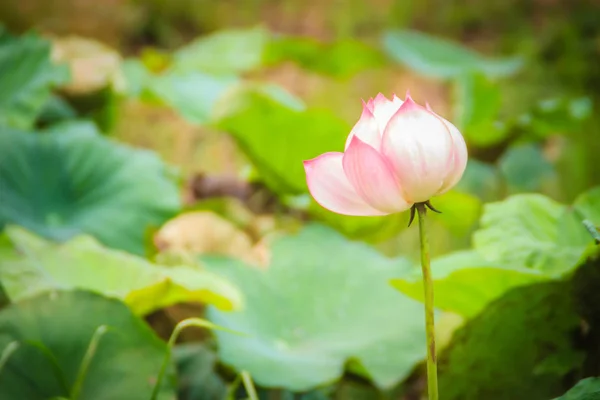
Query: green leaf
point(373, 229)
point(56, 110)
point(322, 302)
point(460, 211)
point(136, 77)
point(465, 283)
point(26, 78)
point(586, 389)
point(339, 59)
point(478, 105)
point(72, 180)
point(480, 179)
point(505, 352)
point(192, 94)
point(525, 169)
point(277, 138)
point(587, 205)
point(440, 58)
point(31, 265)
point(556, 115)
point(196, 371)
point(223, 52)
point(53, 332)
point(530, 231)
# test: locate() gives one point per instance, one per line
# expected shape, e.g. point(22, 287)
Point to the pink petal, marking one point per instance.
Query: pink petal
point(373, 177)
point(370, 105)
point(366, 129)
point(383, 109)
point(419, 145)
point(330, 187)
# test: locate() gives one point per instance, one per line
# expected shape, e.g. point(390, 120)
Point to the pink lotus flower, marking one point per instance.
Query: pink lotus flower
point(398, 154)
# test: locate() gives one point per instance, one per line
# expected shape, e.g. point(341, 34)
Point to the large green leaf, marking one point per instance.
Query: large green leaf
point(436, 57)
point(524, 239)
point(520, 347)
point(31, 265)
point(223, 52)
point(465, 283)
point(72, 180)
point(586, 389)
point(531, 231)
point(26, 78)
point(53, 333)
point(322, 302)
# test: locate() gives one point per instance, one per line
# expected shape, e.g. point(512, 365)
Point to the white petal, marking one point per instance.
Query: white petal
point(419, 146)
point(383, 109)
point(459, 159)
point(366, 129)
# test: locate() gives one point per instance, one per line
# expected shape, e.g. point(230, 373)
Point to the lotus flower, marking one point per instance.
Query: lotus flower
point(398, 154)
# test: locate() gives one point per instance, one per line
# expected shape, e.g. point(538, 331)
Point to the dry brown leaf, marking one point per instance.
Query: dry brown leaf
point(204, 232)
point(93, 65)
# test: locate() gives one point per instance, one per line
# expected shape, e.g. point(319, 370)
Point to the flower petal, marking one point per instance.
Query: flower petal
point(459, 159)
point(373, 177)
point(366, 129)
point(330, 187)
point(419, 146)
point(383, 109)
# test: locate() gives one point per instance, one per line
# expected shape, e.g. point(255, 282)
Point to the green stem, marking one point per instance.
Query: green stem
point(87, 360)
point(249, 385)
point(197, 322)
point(7, 352)
point(432, 386)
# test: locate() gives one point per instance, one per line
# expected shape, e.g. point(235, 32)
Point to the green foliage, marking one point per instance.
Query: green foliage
point(53, 333)
point(31, 265)
point(531, 231)
point(322, 302)
point(196, 371)
point(341, 59)
point(518, 348)
point(224, 52)
point(26, 78)
point(440, 58)
point(465, 283)
point(278, 138)
point(523, 239)
point(478, 105)
point(525, 169)
point(193, 94)
point(586, 389)
point(77, 211)
point(71, 180)
point(587, 205)
point(481, 179)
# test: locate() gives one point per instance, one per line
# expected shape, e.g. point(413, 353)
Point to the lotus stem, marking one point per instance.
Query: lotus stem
point(432, 385)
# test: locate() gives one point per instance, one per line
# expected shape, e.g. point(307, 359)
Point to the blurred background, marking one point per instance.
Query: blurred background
point(148, 134)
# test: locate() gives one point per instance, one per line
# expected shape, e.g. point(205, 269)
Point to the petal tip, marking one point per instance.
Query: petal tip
point(409, 105)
